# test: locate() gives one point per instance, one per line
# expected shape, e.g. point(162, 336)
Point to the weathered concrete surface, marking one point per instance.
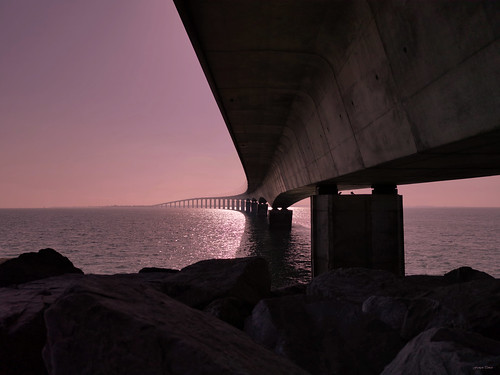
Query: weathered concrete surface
point(357, 231)
point(354, 92)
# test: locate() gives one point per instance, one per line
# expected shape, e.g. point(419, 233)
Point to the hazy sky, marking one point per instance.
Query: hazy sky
point(103, 102)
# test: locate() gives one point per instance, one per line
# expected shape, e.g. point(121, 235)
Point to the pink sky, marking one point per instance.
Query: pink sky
point(103, 102)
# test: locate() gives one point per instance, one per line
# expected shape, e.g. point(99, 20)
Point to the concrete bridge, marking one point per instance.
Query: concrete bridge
point(325, 95)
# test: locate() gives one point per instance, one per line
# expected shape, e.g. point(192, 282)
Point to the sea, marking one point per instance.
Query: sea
point(113, 240)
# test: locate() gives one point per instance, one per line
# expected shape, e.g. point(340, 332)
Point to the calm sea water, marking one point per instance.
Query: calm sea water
point(120, 240)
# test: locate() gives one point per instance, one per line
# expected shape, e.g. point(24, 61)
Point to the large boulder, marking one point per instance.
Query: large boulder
point(447, 351)
point(283, 326)
point(117, 327)
point(353, 284)
point(412, 316)
point(426, 313)
point(230, 310)
point(477, 301)
point(464, 274)
point(390, 310)
point(352, 342)
point(198, 285)
point(34, 266)
point(326, 336)
point(22, 326)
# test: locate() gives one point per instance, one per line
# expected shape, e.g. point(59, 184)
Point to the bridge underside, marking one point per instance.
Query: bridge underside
point(353, 93)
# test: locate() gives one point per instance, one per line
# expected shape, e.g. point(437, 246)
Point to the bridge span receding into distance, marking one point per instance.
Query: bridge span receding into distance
point(250, 206)
point(321, 96)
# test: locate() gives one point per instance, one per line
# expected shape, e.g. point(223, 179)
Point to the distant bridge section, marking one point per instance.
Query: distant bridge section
point(280, 219)
point(251, 206)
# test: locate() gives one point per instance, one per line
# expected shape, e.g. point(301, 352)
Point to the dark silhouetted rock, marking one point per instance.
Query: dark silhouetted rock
point(478, 301)
point(283, 326)
point(354, 284)
point(390, 310)
point(348, 321)
point(447, 351)
point(22, 326)
point(289, 290)
point(157, 269)
point(324, 337)
point(362, 344)
point(34, 266)
point(426, 313)
point(197, 285)
point(230, 310)
point(464, 274)
point(115, 327)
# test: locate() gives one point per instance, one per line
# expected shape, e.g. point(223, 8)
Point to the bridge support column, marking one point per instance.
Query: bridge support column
point(254, 207)
point(358, 231)
point(280, 219)
point(262, 209)
point(247, 206)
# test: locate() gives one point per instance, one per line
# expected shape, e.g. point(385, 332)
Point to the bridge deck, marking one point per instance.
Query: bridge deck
point(353, 93)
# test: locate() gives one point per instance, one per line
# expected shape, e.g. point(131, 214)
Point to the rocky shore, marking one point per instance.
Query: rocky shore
point(221, 317)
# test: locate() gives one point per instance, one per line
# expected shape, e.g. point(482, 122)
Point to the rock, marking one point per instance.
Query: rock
point(197, 285)
point(464, 274)
point(478, 301)
point(289, 290)
point(412, 316)
point(22, 326)
point(34, 266)
point(418, 285)
point(390, 310)
point(354, 284)
point(353, 342)
point(426, 313)
point(230, 310)
point(115, 327)
point(157, 269)
point(348, 321)
point(283, 326)
point(447, 351)
point(324, 337)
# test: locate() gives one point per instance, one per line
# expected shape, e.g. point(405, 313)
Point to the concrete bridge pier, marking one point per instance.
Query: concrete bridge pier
point(254, 206)
point(280, 219)
point(357, 230)
point(262, 209)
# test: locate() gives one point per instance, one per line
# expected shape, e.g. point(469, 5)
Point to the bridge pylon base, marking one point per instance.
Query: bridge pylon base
point(280, 219)
point(357, 231)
